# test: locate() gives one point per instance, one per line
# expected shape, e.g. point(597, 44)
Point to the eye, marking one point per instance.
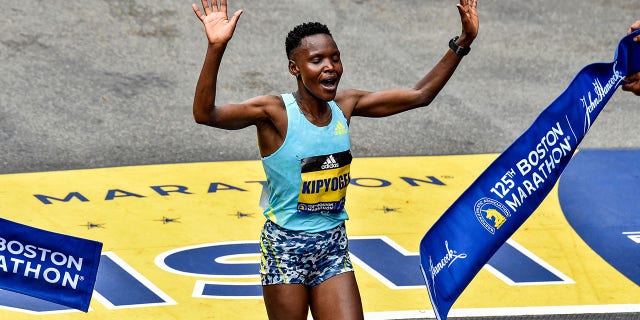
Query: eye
point(316, 60)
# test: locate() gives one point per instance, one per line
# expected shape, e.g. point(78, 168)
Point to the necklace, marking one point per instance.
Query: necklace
point(313, 119)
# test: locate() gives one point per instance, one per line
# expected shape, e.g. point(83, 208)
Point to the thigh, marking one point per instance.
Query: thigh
point(286, 301)
point(337, 298)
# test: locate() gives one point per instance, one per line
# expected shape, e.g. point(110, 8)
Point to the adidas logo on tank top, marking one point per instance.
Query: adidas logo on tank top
point(330, 163)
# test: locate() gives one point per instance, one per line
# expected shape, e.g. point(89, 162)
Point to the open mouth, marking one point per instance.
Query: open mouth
point(329, 83)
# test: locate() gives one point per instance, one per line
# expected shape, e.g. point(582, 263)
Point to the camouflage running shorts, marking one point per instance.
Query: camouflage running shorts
point(302, 257)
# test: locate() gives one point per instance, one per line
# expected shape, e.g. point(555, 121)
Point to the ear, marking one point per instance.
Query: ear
point(293, 68)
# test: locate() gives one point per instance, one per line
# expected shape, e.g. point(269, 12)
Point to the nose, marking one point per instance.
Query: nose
point(329, 65)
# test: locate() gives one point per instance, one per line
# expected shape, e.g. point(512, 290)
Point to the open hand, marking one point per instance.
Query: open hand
point(217, 25)
point(469, 19)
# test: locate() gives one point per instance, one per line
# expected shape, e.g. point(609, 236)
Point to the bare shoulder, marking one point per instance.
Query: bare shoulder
point(348, 100)
point(271, 107)
point(254, 111)
point(266, 101)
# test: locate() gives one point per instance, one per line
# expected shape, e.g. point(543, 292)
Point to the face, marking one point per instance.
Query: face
point(317, 62)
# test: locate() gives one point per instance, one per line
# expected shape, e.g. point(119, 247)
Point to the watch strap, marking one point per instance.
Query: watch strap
point(460, 51)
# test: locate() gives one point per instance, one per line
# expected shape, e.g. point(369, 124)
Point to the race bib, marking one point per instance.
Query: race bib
point(324, 183)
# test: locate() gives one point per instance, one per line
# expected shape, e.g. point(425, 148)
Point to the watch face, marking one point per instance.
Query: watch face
point(458, 49)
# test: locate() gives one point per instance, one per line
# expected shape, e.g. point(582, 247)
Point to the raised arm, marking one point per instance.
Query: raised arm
point(388, 102)
point(219, 29)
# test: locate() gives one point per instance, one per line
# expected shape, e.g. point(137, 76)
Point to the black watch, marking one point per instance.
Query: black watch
point(460, 51)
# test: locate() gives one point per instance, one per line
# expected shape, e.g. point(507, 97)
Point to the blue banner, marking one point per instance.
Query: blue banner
point(47, 265)
point(499, 201)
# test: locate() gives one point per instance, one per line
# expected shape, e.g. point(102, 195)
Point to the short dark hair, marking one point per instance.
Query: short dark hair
point(301, 31)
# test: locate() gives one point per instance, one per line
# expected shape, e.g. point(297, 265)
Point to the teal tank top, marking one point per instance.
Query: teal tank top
point(309, 174)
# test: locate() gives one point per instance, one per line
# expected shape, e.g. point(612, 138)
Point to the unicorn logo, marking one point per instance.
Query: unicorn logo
point(495, 216)
point(491, 214)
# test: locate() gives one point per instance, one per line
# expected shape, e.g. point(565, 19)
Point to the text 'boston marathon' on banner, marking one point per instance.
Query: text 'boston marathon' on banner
point(47, 265)
point(495, 205)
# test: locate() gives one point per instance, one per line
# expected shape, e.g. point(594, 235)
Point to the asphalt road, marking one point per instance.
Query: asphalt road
point(107, 83)
point(86, 84)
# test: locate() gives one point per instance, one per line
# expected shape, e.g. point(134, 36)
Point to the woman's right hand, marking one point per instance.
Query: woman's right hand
point(217, 25)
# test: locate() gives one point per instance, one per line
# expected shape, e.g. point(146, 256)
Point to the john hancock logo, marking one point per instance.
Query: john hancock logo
point(491, 214)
